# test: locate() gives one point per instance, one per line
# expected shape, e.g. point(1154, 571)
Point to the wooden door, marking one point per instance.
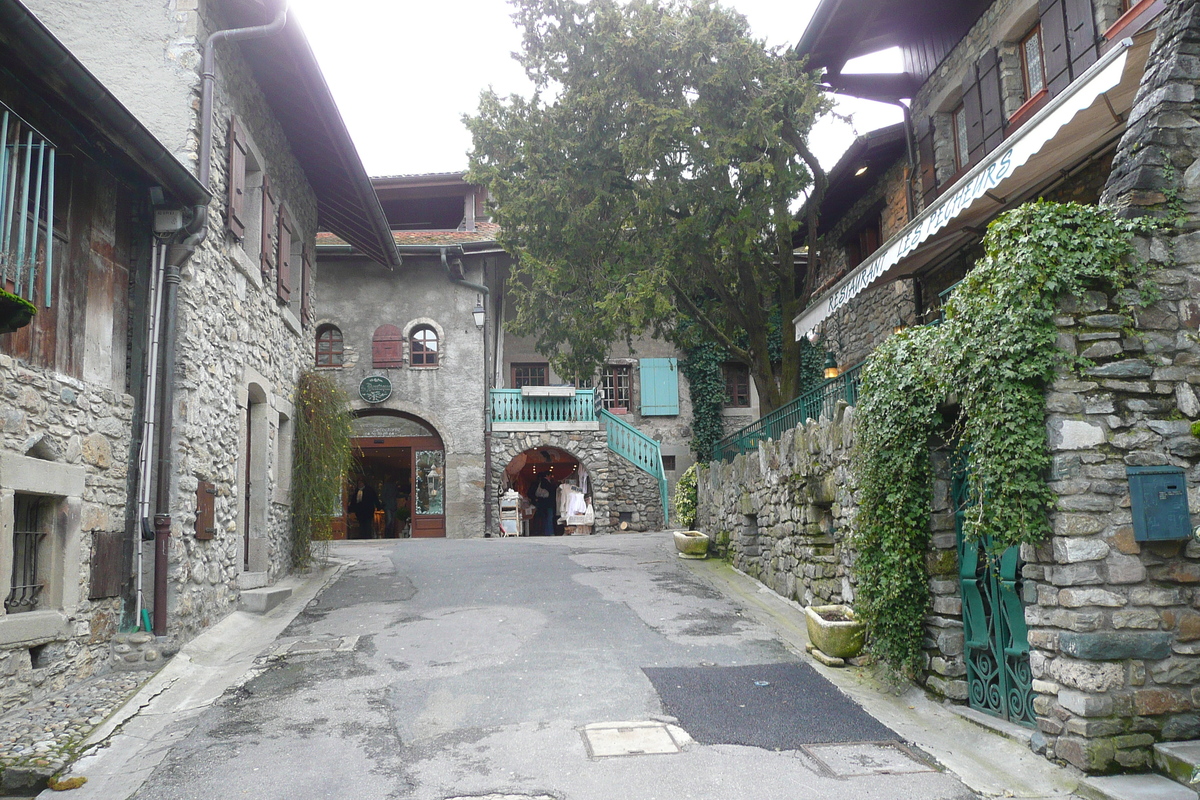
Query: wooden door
point(429, 488)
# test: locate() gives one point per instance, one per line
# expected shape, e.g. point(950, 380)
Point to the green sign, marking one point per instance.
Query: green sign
point(375, 389)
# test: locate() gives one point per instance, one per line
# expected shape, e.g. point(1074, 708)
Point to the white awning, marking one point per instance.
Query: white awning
point(1090, 112)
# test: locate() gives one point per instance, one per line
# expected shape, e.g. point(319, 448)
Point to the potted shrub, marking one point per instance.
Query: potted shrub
point(835, 631)
point(691, 544)
point(15, 312)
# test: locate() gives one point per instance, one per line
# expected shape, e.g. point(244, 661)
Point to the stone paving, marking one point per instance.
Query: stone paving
point(39, 739)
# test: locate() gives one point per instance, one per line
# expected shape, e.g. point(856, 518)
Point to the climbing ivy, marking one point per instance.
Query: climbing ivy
point(995, 353)
point(686, 499)
point(320, 459)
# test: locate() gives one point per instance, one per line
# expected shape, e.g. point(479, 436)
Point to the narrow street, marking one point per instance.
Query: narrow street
point(495, 668)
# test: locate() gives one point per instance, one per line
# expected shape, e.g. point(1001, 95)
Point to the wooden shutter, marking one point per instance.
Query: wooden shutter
point(235, 206)
point(306, 279)
point(925, 147)
point(1081, 35)
point(659, 386)
point(1054, 45)
point(206, 504)
point(990, 101)
point(387, 347)
point(973, 110)
point(268, 224)
point(105, 576)
point(283, 260)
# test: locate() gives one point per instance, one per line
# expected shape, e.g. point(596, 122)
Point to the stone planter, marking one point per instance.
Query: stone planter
point(15, 312)
point(691, 544)
point(842, 639)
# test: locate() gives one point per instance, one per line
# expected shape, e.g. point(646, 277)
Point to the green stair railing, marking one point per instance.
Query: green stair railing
point(635, 446)
point(820, 402)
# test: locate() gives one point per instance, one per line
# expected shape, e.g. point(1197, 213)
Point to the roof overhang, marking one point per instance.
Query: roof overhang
point(1086, 116)
point(286, 70)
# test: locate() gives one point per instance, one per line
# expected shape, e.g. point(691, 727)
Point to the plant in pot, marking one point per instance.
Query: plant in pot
point(15, 312)
point(835, 631)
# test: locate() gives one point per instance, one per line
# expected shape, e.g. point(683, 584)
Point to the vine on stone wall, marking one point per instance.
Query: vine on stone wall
point(995, 353)
point(321, 458)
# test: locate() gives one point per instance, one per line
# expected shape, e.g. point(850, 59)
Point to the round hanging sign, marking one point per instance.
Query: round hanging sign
point(375, 389)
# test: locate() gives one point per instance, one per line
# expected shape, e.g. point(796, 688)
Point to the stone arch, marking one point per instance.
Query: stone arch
point(589, 448)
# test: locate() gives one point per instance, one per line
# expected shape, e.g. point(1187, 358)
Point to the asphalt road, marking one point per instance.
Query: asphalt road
point(436, 669)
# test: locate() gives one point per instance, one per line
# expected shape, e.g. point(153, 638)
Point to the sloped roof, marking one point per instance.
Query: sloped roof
point(484, 233)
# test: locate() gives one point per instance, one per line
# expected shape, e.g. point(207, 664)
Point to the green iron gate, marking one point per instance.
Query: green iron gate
point(996, 641)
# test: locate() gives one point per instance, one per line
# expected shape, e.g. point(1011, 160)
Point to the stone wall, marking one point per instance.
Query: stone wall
point(617, 486)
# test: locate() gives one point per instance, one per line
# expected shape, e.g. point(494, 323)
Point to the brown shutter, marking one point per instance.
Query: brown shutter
point(1054, 45)
point(206, 504)
point(235, 208)
point(387, 347)
point(925, 147)
point(105, 568)
point(990, 101)
point(306, 278)
point(268, 224)
point(283, 259)
point(973, 110)
point(1081, 35)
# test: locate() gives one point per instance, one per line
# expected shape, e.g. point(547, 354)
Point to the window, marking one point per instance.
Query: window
point(329, 346)
point(614, 380)
point(424, 347)
point(737, 385)
point(863, 242)
point(529, 375)
point(962, 152)
point(1033, 72)
point(668, 463)
point(387, 347)
point(29, 534)
point(284, 256)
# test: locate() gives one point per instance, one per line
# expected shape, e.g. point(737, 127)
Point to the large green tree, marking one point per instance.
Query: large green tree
point(651, 175)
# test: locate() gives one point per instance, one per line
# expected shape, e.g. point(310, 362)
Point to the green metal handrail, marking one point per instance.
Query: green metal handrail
point(814, 404)
point(509, 406)
point(635, 446)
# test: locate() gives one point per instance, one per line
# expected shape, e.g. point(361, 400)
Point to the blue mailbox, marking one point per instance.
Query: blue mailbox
point(1160, 504)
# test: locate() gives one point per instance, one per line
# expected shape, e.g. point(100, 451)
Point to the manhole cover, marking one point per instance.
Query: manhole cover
point(504, 797)
point(319, 644)
point(604, 739)
point(867, 758)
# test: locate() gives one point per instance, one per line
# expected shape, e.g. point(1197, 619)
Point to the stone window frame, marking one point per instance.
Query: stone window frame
point(443, 352)
point(63, 485)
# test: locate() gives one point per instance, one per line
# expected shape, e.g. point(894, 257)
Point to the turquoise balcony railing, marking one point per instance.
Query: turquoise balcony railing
point(510, 407)
point(638, 448)
point(820, 402)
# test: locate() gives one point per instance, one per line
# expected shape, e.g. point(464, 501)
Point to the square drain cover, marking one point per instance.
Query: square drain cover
point(867, 758)
point(605, 739)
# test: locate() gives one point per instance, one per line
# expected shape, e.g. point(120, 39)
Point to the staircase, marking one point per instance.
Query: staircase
point(1179, 763)
point(639, 449)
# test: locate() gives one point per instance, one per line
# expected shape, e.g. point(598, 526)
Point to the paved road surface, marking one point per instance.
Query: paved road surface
point(437, 669)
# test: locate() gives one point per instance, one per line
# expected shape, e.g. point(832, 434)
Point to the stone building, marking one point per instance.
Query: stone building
point(248, 114)
point(1009, 101)
point(470, 409)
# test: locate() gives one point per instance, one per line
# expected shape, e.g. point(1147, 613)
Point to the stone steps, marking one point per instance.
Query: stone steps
point(260, 601)
point(1178, 761)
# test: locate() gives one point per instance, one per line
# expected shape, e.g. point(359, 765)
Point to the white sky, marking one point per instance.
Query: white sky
point(405, 72)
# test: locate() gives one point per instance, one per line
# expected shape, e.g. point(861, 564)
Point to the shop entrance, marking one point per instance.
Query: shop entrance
point(544, 469)
point(397, 488)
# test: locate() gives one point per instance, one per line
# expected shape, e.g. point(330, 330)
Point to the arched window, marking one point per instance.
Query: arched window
point(329, 346)
point(387, 347)
point(424, 347)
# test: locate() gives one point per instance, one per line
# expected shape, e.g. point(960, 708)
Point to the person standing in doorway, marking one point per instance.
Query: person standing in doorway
point(543, 496)
point(389, 495)
point(363, 503)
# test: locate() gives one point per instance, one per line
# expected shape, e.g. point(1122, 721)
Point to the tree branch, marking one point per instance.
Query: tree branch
point(698, 314)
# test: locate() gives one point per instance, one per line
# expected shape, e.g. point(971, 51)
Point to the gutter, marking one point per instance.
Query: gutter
point(178, 253)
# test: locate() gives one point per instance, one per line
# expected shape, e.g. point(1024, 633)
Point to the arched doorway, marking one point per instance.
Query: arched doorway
point(402, 459)
point(546, 468)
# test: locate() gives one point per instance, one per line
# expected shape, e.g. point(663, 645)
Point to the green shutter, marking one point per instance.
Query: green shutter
point(660, 386)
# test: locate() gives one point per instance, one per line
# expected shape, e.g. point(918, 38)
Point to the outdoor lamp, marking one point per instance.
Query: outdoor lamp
point(479, 313)
point(899, 325)
point(831, 367)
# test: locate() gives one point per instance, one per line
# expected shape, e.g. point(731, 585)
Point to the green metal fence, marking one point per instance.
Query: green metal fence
point(509, 406)
point(820, 402)
point(635, 446)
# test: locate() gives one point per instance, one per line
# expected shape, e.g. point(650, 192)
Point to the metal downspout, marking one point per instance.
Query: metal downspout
point(487, 395)
point(177, 255)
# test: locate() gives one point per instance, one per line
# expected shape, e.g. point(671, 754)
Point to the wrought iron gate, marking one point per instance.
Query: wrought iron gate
point(996, 641)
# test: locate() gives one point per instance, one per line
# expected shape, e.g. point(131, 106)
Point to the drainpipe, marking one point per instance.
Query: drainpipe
point(178, 253)
point(487, 416)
